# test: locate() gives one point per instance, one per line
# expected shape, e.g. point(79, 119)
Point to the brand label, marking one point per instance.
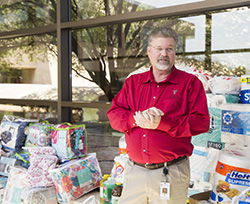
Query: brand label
point(245, 96)
point(236, 122)
point(234, 175)
point(238, 178)
point(105, 193)
point(216, 145)
point(123, 151)
point(119, 168)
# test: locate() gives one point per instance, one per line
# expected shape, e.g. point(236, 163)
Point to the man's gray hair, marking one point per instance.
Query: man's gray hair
point(164, 32)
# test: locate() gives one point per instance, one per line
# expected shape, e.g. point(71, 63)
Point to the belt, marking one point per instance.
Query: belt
point(159, 165)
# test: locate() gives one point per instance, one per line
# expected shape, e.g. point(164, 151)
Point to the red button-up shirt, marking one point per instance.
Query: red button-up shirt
point(182, 99)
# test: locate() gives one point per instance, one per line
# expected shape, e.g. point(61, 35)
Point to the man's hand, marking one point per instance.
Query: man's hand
point(149, 118)
point(155, 111)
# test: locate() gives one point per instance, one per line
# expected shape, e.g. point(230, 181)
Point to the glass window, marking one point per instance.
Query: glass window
point(196, 41)
point(104, 57)
point(28, 67)
point(230, 29)
point(223, 36)
point(84, 9)
point(232, 64)
point(16, 14)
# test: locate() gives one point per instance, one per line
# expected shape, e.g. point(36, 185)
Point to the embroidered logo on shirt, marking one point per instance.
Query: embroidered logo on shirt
point(175, 91)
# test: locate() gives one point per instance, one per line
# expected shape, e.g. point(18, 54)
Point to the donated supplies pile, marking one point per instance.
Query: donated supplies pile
point(220, 164)
point(48, 164)
point(45, 163)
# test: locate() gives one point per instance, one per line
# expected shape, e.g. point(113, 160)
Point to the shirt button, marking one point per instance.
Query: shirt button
point(144, 135)
point(144, 150)
point(154, 97)
point(157, 86)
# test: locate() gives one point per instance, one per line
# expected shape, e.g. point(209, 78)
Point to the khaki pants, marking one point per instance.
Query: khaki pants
point(142, 186)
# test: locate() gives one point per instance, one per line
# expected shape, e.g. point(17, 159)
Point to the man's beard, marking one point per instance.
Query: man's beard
point(162, 66)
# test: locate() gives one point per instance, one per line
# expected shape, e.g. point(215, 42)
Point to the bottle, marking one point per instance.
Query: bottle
point(122, 145)
point(104, 178)
point(116, 193)
point(107, 190)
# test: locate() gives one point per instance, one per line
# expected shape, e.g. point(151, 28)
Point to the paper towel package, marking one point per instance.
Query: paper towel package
point(231, 176)
point(235, 124)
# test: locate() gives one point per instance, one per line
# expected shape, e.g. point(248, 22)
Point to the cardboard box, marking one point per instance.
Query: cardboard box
point(199, 197)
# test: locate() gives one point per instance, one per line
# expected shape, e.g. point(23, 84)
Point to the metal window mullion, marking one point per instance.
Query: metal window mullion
point(64, 61)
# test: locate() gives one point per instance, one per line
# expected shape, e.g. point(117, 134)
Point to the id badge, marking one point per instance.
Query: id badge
point(165, 190)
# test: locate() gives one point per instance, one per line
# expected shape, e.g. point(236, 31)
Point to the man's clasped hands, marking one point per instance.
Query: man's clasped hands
point(149, 118)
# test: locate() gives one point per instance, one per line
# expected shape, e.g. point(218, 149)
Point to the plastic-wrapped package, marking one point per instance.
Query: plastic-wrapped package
point(243, 198)
point(15, 185)
point(215, 100)
point(12, 132)
point(202, 164)
point(91, 200)
point(76, 178)
point(42, 159)
point(204, 78)
point(232, 174)
point(235, 123)
point(69, 141)
point(225, 85)
point(39, 196)
point(39, 134)
point(245, 89)
point(212, 138)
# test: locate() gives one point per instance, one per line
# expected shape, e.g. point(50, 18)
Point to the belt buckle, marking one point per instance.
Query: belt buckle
point(147, 166)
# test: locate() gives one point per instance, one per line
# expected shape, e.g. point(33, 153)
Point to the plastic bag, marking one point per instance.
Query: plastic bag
point(76, 178)
point(91, 200)
point(69, 141)
point(38, 134)
point(12, 132)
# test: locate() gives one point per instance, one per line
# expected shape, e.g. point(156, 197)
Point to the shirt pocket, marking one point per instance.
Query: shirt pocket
point(172, 104)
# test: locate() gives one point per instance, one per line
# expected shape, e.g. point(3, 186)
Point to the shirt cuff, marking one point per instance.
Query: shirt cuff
point(131, 121)
point(165, 124)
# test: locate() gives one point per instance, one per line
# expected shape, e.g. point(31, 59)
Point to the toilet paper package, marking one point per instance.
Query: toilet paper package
point(235, 124)
point(245, 89)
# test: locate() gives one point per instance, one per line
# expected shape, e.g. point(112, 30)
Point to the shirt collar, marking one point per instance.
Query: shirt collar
point(172, 77)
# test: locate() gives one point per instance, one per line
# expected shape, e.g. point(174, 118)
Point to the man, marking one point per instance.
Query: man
point(159, 111)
